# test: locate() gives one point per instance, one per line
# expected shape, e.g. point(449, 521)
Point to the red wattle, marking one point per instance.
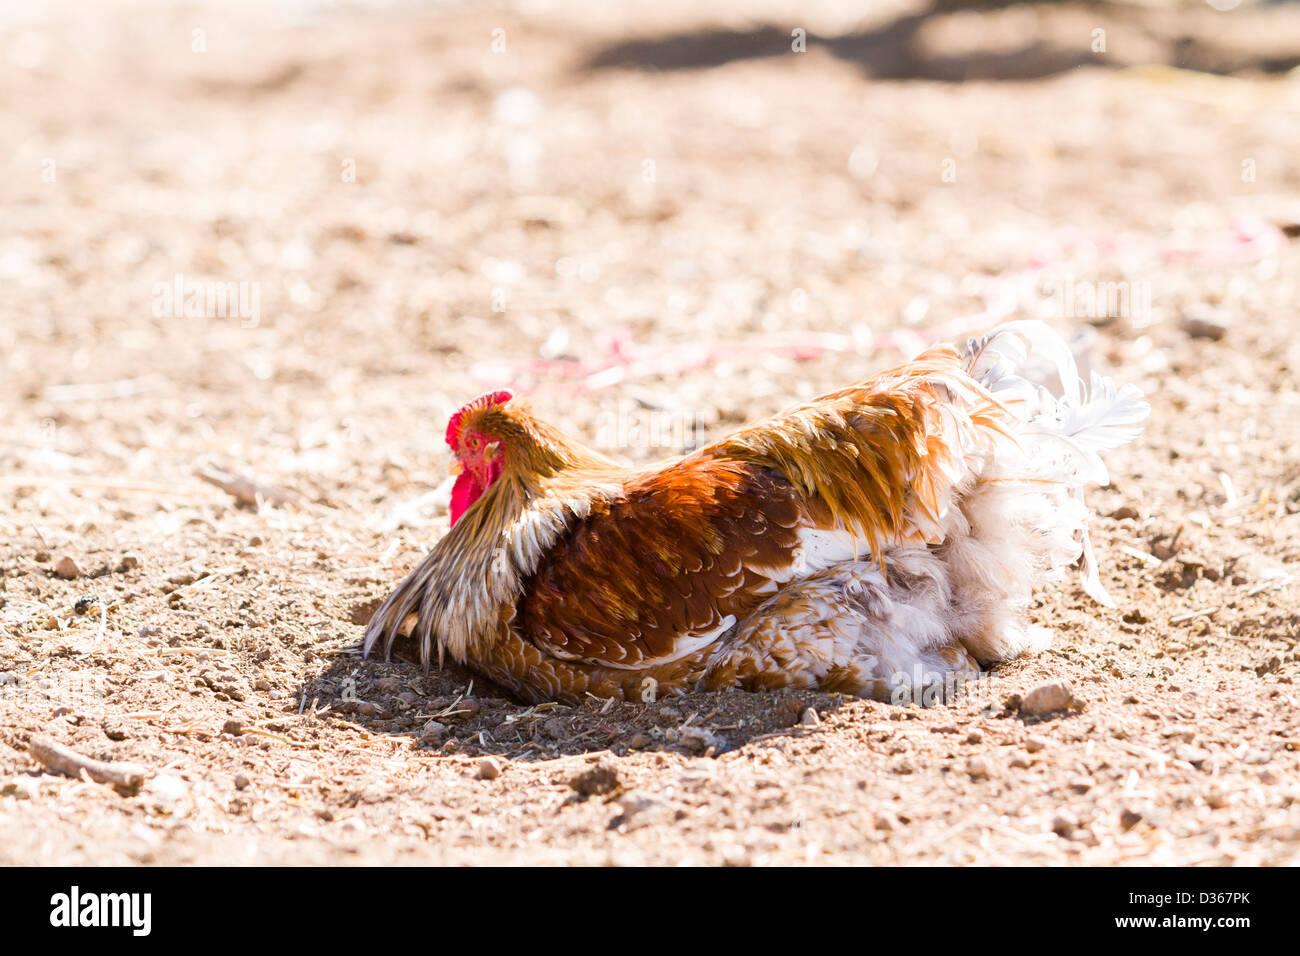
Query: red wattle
point(464, 493)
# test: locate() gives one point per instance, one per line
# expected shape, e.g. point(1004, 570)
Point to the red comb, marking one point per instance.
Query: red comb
point(499, 397)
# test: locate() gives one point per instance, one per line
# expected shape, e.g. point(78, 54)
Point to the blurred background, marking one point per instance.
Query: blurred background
point(383, 208)
point(296, 235)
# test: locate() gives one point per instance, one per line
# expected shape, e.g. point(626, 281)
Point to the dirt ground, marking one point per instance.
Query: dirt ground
point(657, 220)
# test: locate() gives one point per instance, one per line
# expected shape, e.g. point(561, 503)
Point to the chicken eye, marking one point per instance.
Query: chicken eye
point(472, 441)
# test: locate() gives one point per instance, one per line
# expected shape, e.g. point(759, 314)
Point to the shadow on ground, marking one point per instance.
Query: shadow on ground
point(894, 51)
point(454, 711)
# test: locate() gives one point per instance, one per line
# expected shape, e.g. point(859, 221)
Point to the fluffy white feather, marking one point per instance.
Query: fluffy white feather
point(1015, 518)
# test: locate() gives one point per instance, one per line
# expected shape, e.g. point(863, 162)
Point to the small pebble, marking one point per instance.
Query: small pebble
point(1047, 699)
point(636, 807)
point(978, 768)
point(241, 782)
point(19, 788)
point(1035, 744)
point(810, 718)
point(788, 712)
point(1081, 784)
point(1202, 322)
point(1064, 823)
point(489, 768)
point(638, 742)
point(597, 780)
point(67, 568)
point(433, 733)
point(697, 739)
point(634, 802)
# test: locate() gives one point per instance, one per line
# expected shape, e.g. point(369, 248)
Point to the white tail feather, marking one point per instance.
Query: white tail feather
point(1107, 418)
point(1059, 435)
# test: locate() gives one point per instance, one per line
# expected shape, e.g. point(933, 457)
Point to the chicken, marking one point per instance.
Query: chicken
point(879, 540)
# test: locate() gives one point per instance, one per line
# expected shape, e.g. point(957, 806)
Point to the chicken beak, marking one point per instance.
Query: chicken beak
point(455, 467)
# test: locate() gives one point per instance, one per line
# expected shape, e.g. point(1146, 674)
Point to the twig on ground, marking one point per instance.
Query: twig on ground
point(1193, 615)
point(245, 490)
point(125, 778)
point(1146, 557)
